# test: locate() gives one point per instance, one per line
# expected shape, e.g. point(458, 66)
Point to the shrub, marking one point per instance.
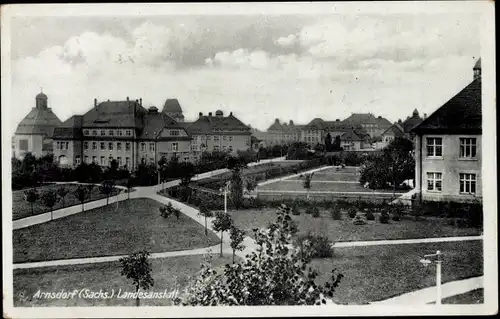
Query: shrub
point(370, 216)
point(352, 212)
point(384, 217)
point(336, 214)
point(295, 210)
point(315, 212)
point(358, 220)
point(321, 245)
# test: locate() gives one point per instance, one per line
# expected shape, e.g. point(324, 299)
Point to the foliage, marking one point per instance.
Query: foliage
point(205, 212)
point(236, 185)
point(251, 183)
point(31, 196)
point(320, 245)
point(107, 187)
point(336, 213)
point(138, 268)
point(358, 220)
point(237, 236)
point(328, 142)
point(222, 223)
point(274, 274)
point(351, 212)
point(370, 215)
point(82, 193)
point(62, 192)
point(298, 151)
point(384, 217)
point(295, 210)
point(49, 199)
point(315, 212)
point(169, 209)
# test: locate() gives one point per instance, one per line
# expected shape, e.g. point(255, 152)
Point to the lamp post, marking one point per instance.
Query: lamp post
point(225, 189)
point(437, 260)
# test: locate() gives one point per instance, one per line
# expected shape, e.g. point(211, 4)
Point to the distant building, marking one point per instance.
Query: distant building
point(374, 126)
point(283, 133)
point(402, 129)
point(34, 132)
point(352, 136)
point(448, 147)
point(121, 130)
point(218, 133)
point(173, 109)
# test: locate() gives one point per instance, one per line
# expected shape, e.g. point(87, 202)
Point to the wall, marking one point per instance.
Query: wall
point(35, 143)
point(450, 165)
point(74, 149)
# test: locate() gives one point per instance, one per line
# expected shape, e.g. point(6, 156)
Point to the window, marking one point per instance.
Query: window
point(151, 147)
point(58, 145)
point(103, 161)
point(110, 160)
point(94, 159)
point(230, 138)
point(434, 181)
point(127, 161)
point(111, 132)
point(467, 183)
point(434, 146)
point(77, 160)
point(224, 137)
point(186, 159)
point(143, 147)
point(209, 137)
point(151, 160)
point(175, 147)
point(85, 145)
point(216, 138)
point(230, 148)
point(86, 132)
point(94, 132)
point(110, 145)
point(87, 160)
point(103, 132)
point(119, 160)
point(23, 145)
point(127, 146)
point(174, 133)
point(467, 147)
point(119, 132)
point(103, 146)
point(248, 142)
point(118, 146)
point(94, 146)
point(216, 147)
point(129, 133)
point(224, 147)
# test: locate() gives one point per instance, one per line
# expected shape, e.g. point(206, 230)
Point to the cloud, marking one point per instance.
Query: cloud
point(287, 41)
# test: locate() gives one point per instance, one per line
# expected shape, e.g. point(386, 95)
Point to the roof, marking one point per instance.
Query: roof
point(351, 135)
point(395, 130)
point(40, 120)
point(316, 123)
point(217, 124)
point(41, 95)
point(254, 139)
point(477, 65)
point(69, 129)
point(361, 118)
point(154, 124)
point(460, 115)
point(383, 122)
point(172, 106)
point(411, 122)
point(115, 114)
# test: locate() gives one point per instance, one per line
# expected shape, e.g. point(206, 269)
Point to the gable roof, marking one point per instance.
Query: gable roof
point(155, 122)
point(361, 118)
point(395, 130)
point(411, 122)
point(115, 114)
point(69, 129)
point(316, 123)
point(218, 125)
point(38, 121)
point(461, 114)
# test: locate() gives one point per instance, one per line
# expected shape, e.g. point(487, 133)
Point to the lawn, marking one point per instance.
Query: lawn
point(468, 298)
point(21, 208)
point(320, 176)
point(345, 230)
point(105, 277)
point(375, 273)
point(297, 185)
point(104, 231)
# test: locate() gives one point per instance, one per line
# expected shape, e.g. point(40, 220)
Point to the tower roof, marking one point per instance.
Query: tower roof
point(38, 121)
point(41, 95)
point(172, 106)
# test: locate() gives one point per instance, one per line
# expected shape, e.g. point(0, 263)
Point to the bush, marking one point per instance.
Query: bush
point(336, 214)
point(315, 212)
point(295, 210)
point(352, 212)
point(384, 217)
point(358, 220)
point(370, 216)
point(321, 245)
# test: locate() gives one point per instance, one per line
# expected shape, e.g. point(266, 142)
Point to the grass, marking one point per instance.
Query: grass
point(320, 176)
point(297, 185)
point(21, 208)
point(104, 231)
point(104, 276)
point(375, 273)
point(345, 230)
point(468, 298)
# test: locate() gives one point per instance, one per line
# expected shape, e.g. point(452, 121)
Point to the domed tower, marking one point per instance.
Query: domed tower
point(41, 100)
point(415, 113)
point(173, 109)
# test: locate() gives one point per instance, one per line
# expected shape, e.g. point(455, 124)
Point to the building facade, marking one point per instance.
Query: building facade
point(352, 136)
point(448, 148)
point(34, 133)
point(374, 126)
point(283, 133)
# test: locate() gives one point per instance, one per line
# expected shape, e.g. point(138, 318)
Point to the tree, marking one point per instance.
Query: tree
point(205, 212)
point(31, 196)
point(49, 199)
point(222, 223)
point(307, 182)
point(251, 184)
point(81, 193)
point(237, 236)
point(112, 170)
point(336, 144)
point(236, 184)
point(275, 274)
point(129, 187)
point(62, 192)
point(138, 268)
point(328, 142)
point(106, 188)
point(186, 172)
point(162, 169)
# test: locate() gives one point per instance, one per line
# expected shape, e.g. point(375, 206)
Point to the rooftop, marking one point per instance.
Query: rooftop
point(38, 121)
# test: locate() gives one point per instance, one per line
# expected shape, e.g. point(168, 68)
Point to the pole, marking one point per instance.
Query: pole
point(438, 278)
point(225, 199)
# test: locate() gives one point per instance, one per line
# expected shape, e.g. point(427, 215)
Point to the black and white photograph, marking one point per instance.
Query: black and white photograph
point(327, 158)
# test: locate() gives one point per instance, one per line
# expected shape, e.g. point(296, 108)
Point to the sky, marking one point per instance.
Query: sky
point(260, 67)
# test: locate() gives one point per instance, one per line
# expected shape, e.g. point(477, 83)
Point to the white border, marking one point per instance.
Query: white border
point(140, 10)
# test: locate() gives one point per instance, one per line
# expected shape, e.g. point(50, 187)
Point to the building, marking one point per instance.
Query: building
point(402, 129)
point(374, 126)
point(283, 133)
point(448, 147)
point(218, 133)
point(173, 109)
point(352, 136)
point(120, 130)
point(34, 132)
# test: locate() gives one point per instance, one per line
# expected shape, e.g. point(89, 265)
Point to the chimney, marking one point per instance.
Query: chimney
point(399, 121)
point(209, 113)
point(140, 101)
point(230, 113)
point(137, 101)
point(337, 120)
point(200, 114)
point(425, 116)
point(128, 98)
point(95, 102)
